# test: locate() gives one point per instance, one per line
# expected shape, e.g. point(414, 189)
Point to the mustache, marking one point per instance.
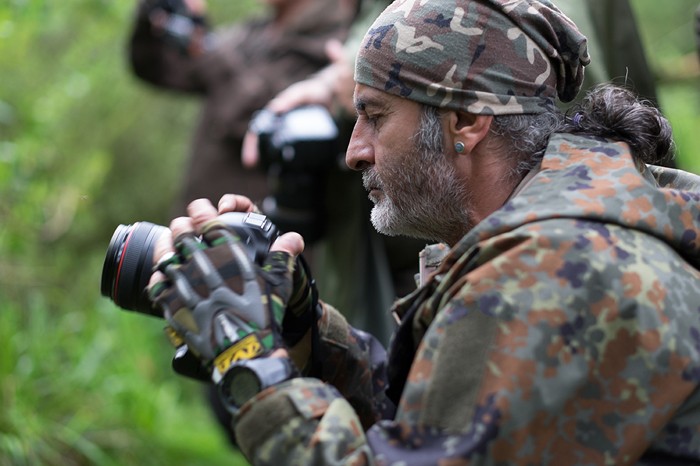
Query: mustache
point(370, 179)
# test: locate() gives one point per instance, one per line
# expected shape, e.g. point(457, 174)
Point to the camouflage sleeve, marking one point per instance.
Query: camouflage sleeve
point(303, 421)
point(321, 420)
point(558, 343)
point(354, 362)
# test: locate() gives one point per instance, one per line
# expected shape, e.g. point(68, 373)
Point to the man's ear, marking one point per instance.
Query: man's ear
point(467, 128)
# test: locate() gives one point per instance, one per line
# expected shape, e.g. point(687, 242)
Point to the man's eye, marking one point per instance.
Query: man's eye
point(373, 119)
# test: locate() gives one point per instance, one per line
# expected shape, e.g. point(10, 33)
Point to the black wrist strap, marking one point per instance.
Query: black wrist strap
point(294, 327)
point(295, 324)
point(315, 369)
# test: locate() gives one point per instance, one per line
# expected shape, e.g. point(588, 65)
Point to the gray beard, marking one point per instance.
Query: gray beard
point(422, 198)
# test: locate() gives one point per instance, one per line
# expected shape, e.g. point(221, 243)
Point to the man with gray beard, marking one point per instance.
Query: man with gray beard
point(422, 198)
point(560, 327)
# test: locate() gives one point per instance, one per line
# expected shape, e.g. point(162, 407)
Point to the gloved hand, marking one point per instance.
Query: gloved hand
point(303, 307)
point(224, 306)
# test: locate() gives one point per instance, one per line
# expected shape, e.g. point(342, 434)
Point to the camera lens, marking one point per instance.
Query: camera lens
point(128, 266)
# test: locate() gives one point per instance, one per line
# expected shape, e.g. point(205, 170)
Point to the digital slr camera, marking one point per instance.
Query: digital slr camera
point(297, 150)
point(128, 263)
point(184, 30)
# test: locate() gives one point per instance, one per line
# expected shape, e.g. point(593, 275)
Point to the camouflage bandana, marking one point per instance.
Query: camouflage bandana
point(488, 57)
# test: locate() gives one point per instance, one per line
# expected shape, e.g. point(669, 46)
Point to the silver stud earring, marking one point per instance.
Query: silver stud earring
point(459, 147)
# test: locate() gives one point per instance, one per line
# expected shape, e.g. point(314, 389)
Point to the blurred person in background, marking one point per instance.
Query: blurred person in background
point(235, 70)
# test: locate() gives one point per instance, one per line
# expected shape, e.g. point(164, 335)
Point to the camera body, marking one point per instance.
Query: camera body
point(129, 264)
point(179, 26)
point(297, 150)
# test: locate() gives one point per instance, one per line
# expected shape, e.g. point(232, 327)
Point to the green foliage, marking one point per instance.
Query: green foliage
point(685, 119)
point(668, 34)
point(84, 147)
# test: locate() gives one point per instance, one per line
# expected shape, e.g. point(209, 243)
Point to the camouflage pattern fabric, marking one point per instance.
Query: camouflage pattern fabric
point(490, 57)
point(563, 329)
point(352, 365)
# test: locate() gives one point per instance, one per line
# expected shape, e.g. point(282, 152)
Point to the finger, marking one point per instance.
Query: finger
point(157, 277)
point(206, 269)
point(197, 7)
point(180, 226)
point(279, 353)
point(288, 99)
point(309, 92)
point(235, 203)
point(185, 291)
point(249, 154)
point(163, 248)
point(292, 243)
point(334, 51)
point(341, 74)
point(201, 211)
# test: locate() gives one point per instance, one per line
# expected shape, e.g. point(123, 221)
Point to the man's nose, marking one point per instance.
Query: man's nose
point(360, 153)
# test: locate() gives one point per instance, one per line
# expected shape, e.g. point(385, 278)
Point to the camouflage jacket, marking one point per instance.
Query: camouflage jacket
point(563, 329)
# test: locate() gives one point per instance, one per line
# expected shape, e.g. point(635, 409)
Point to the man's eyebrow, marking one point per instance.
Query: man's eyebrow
point(362, 103)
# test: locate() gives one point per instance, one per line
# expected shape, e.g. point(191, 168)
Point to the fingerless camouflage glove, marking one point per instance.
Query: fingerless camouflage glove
point(224, 306)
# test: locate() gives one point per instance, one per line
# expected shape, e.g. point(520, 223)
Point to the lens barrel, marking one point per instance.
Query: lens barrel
point(128, 266)
point(129, 259)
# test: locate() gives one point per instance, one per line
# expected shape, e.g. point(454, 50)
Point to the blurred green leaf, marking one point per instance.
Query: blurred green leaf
point(81, 381)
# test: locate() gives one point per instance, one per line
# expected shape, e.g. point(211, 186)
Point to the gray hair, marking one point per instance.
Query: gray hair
point(607, 111)
point(524, 136)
